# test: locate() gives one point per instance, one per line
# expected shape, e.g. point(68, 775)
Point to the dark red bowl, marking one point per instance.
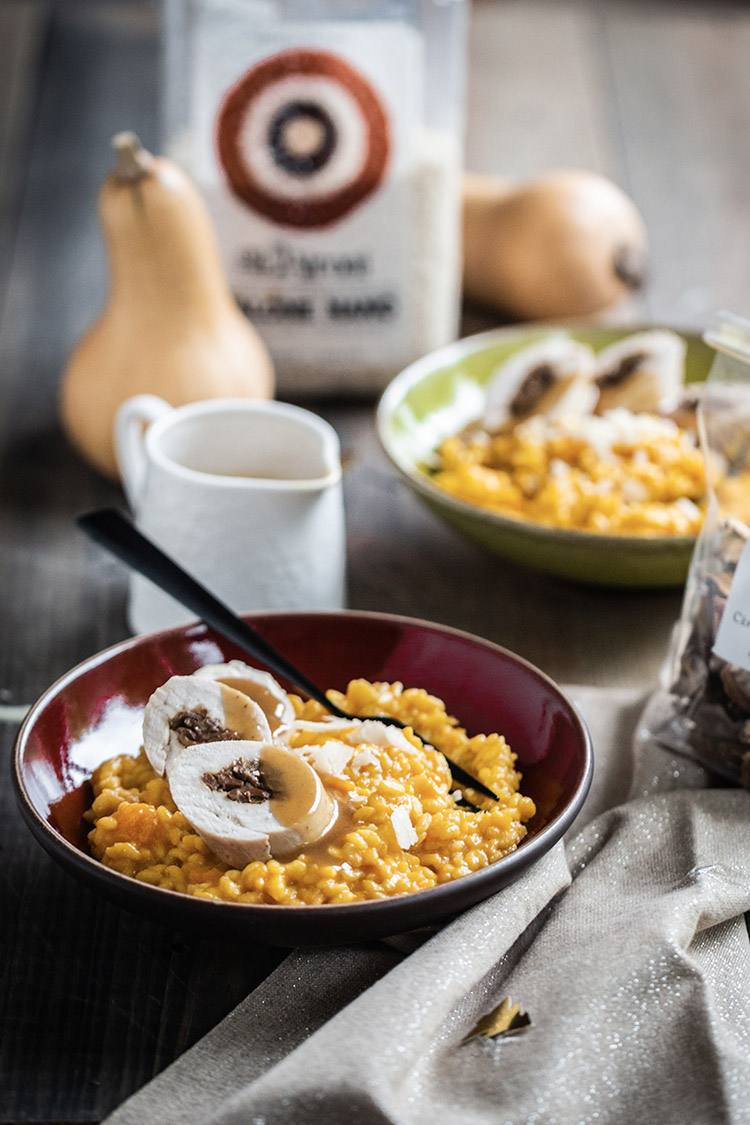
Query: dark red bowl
point(95, 711)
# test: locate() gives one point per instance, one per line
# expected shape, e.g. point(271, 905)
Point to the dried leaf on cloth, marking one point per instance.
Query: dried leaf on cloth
point(505, 1019)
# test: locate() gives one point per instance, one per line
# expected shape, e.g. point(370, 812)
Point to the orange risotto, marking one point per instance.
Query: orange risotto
point(619, 474)
point(138, 830)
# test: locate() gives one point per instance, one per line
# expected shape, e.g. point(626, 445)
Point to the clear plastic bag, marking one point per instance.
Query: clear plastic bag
point(705, 712)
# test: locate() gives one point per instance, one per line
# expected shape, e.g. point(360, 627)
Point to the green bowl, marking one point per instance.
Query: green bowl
point(439, 394)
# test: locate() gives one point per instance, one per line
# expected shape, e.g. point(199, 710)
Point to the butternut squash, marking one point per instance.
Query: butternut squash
point(567, 244)
point(171, 326)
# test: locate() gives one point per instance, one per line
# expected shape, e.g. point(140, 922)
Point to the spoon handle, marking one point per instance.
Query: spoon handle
point(122, 538)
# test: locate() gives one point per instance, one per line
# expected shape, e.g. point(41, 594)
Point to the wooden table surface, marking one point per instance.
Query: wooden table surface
point(93, 1002)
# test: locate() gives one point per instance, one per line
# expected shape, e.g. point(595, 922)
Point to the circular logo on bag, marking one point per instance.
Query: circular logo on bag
point(303, 138)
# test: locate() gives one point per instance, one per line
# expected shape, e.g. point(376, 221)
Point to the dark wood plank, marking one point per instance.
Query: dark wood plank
point(98, 79)
point(95, 1001)
point(536, 93)
point(23, 30)
point(682, 90)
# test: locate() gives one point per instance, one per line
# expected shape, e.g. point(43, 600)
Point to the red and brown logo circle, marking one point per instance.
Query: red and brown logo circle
point(303, 138)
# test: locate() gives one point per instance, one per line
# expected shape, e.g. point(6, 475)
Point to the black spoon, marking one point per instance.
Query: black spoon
point(113, 530)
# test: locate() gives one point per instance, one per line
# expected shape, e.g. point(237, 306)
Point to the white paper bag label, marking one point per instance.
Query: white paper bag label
point(733, 636)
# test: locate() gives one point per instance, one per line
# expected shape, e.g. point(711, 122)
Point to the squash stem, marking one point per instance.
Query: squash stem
point(630, 266)
point(133, 160)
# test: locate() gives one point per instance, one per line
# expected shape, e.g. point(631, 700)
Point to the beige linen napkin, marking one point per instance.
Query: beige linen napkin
point(626, 945)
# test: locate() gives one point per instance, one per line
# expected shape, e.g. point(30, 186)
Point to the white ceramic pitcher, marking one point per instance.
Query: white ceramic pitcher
point(246, 495)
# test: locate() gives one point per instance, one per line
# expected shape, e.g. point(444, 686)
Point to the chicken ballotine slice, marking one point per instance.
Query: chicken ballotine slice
point(189, 711)
point(552, 377)
point(260, 686)
point(249, 797)
point(645, 373)
point(250, 800)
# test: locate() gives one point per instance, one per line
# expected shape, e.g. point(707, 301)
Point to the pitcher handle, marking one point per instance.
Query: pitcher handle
point(131, 425)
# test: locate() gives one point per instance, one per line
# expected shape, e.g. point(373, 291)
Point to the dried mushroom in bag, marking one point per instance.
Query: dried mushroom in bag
point(707, 673)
